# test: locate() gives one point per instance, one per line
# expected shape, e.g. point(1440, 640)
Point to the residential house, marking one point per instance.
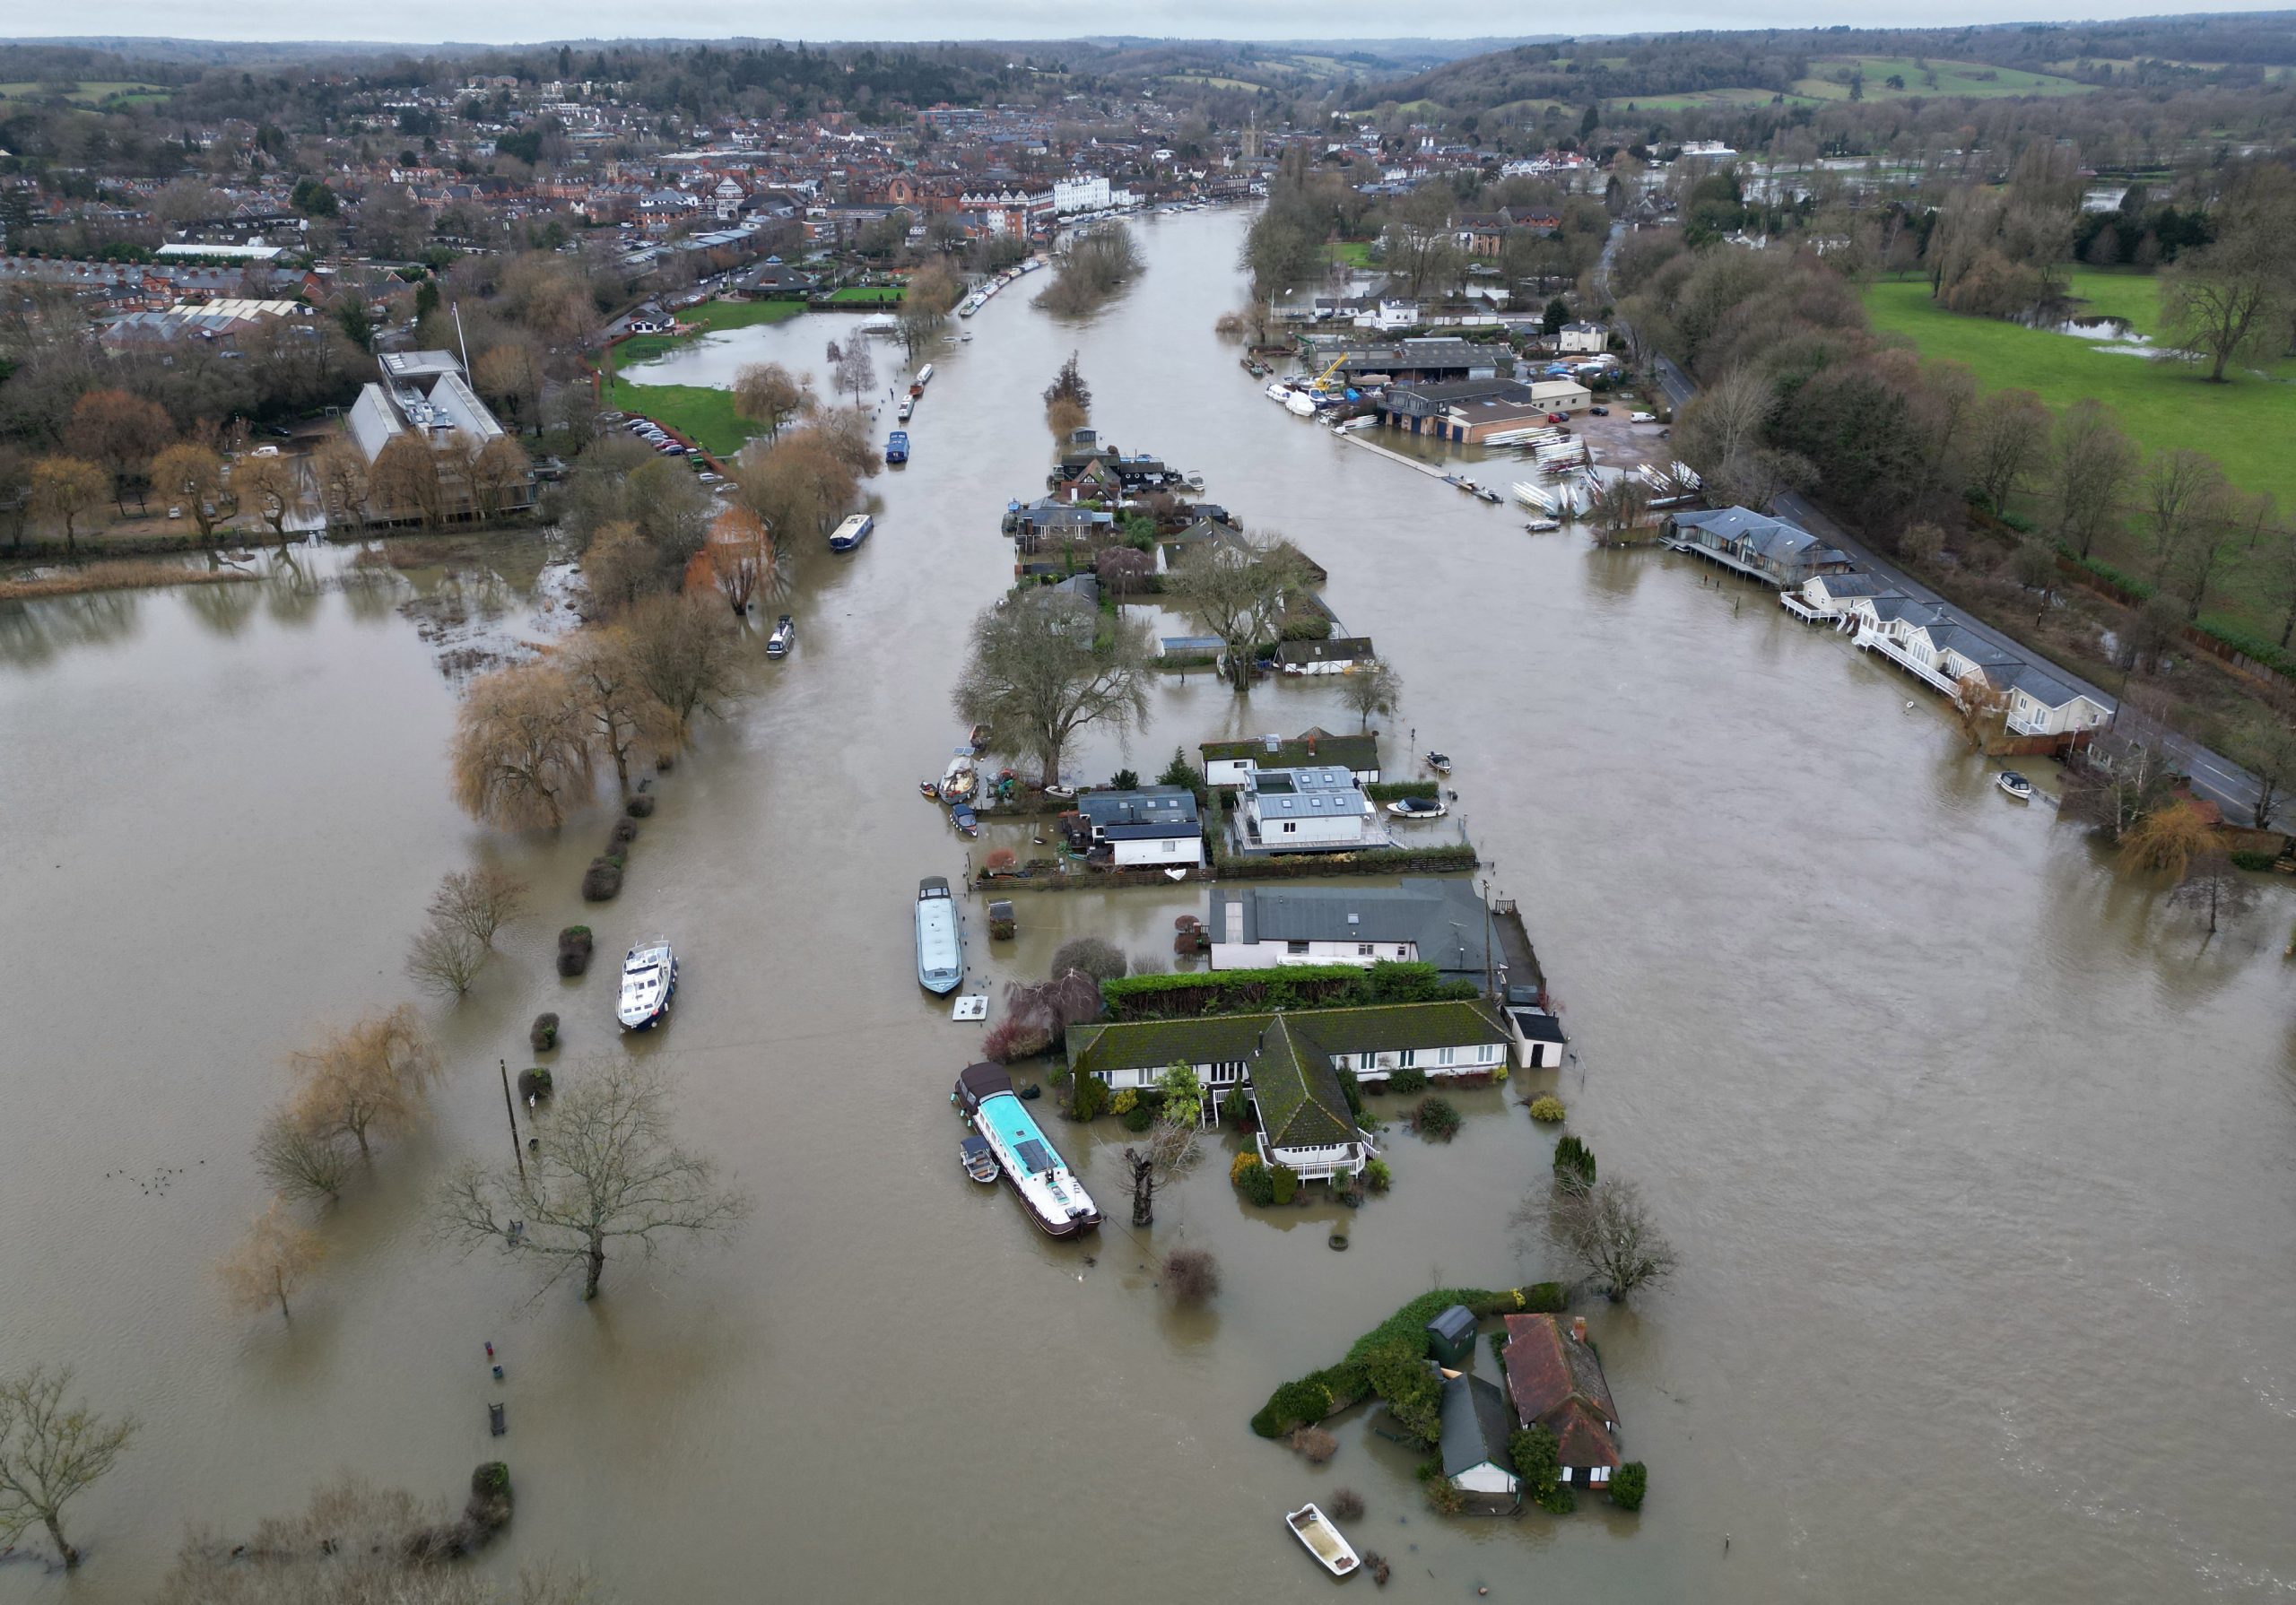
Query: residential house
point(1425, 920)
point(1290, 1064)
point(1337, 655)
point(1554, 1379)
point(1574, 337)
point(1828, 598)
point(1226, 763)
point(1154, 827)
point(1476, 1430)
point(1560, 396)
point(2041, 704)
point(1304, 811)
point(1766, 548)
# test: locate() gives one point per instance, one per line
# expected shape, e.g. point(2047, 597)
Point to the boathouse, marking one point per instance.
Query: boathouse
point(1476, 1430)
point(1770, 550)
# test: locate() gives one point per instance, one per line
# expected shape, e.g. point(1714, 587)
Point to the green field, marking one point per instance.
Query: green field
point(1829, 79)
point(698, 412)
point(712, 317)
point(2245, 425)
point(867, 295)
point(1355, 253)
point(93, 92)
point(1709, 97)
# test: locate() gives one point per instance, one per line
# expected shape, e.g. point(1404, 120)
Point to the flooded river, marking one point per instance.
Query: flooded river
point(1981, 1164)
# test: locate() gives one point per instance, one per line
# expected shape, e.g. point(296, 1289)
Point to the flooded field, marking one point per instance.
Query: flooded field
point(1977, 1159)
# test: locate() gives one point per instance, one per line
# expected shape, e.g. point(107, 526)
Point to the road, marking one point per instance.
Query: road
point(2214, 776)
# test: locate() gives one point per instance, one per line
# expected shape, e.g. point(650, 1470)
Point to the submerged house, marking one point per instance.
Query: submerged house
point(1154, 827)
point(1337, 655)
point(1290, 1065)
point(1770, 550)
point(1226, 763)
point(1477, 1425)
point(1555, 1380)
point(1318, 810)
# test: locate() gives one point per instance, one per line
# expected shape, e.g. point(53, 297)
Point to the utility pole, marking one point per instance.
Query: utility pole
point(1489, 972)
point(510, 1111)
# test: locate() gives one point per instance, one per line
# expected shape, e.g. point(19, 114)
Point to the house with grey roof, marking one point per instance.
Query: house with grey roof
point(1476, 1427)
point(1154, 827)
point(1425, 920)
point(1770, 550)
point(1226, 763)
point(424, 396)
point(1318, 810)
point(1335, 655)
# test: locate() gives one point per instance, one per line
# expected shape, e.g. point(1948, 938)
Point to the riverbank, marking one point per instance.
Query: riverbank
point(115, 576)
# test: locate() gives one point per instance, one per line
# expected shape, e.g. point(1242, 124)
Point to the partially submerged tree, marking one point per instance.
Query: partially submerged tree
point(768, 393)
point(481, 901)
point(444, 958)
point(1171, 1148)
point(1607, 1231)
point(298, 1161)
point(852, 368)
point(738, 560)
point(521, 754)
point(2168, 839)
point(268, 485)
point(1239, 593)
point(50, 1452)
point(603, 1177)
point(271, 1261)
point(1980, 707)
point(1088, 955)
point(1068, 386)
point(1045, 665)
point(63, 491)
point(373, 1077)
point(683, 650)
point(623, 717)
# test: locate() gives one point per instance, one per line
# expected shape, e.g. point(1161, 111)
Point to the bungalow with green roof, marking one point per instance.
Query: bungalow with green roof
point(1292, 1063)
point(1226, 763)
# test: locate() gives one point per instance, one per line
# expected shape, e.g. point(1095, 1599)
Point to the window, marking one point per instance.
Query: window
point(1406, 1057)
point(1172, 846)
point(1600, 1474)
point(1362, 949)
point(1443, 1056)
point(1288, 827)
point(1402, 951)
point(1294, 947)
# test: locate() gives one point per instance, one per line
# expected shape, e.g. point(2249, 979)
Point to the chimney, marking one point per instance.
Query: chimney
point(1578, 1329)
point(1311, 745)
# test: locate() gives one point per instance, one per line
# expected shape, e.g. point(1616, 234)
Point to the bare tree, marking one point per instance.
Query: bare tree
point(768, 393)
point(271, 486)
point(1238, 592)
point(2267, 744)
point(853, 368)
point(481, 901)
point(2214, 887)
point(2008, 433)
point(1090, 956)
point(604, 1175)
point(2124, 775)
point(373, 1077)
point(298, 1161)
point(521, 753)
point(738, 560)
point(1607, 1231)
point(683, 652)
point(1374, 688)
point(271, 1261)
point(340, 471)
point(624, 721)
point(444, 959)
point(1981, 705)
point(63, 490)
point(1043, 665)
point(1170, 1150)
point(2232, 297)
point(2182, 491)
point(50, 1452)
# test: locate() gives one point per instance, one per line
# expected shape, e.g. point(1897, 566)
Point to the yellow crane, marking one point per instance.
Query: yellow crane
point(1322, 384)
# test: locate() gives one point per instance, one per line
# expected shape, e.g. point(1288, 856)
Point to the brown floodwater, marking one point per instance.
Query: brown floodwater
point(1981, 1162)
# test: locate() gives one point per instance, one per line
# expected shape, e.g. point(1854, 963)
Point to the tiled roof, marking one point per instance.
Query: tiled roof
point(1212, 1039)
point(1557, 1383)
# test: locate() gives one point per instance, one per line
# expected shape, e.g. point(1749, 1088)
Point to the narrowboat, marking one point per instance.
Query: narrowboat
point(897, 447)
point(1033, 1168)
point(784, 636)
point(924, 378)
point(851, 532)
point(940, 943)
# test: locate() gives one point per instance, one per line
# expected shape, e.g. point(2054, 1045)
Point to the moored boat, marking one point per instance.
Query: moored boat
point(1033, 1168)
point(961, 816)
point(1325, 1542)
point(2015, 785)
point(979, 1162)
point(897, 447)
point(649, 981)
point(851, 532)
point(940, 943)
point(785, 633)
point(957, 780)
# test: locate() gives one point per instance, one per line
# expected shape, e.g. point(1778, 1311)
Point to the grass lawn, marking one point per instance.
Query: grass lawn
point(93, 92)
point(1828, 79)
point(712, 317)
point(867, 294)
point(697, 411)
point(2245, 425)
point(1711, 96)
point(1355, 253)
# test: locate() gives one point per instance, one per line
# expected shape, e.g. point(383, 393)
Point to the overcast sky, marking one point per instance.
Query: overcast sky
point(430, 22)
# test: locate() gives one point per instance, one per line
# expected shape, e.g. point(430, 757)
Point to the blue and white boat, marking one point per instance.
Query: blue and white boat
point(940, 944)
point(649, 984)
point(851, 532)
point(1033, 1168)
point(897, 447)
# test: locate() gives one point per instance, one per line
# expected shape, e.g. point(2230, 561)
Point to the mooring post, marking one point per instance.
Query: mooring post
point(510, 1111)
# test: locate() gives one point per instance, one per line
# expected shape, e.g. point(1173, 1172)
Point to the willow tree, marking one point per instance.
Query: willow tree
point(271, 1261)
point(371, 1078)
point(50, 1452)
point(521, 754)
point(1045, 664)
point(624, 720)
point(683, 650)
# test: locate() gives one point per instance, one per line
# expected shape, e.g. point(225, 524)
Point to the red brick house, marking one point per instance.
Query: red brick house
point(1555, 1381)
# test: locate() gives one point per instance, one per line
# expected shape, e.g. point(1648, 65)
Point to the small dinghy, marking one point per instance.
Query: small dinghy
point(2015, 785)
point(1440, 762)
point(979, 1161)
point(1314, 1529)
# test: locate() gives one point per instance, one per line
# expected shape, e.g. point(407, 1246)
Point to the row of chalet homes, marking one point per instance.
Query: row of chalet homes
point(1819, 584)
point(1290, 1064)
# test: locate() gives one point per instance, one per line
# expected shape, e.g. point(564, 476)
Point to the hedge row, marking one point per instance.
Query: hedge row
point(1321, 1394)
point(1394, 791)
point(2267, 654)
point(1188, 994)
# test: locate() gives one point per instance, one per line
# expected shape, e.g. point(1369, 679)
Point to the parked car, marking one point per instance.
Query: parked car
point(1600, 412)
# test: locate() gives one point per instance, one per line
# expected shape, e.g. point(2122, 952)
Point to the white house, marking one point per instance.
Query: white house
point(1289, 1064)
point(1828, 598)
point(1226, 763)
point(1155, 828)
point(1582, 337)
point(1425, 920)
point(1335, 655)
point(2039, 704)
point(1305, 811)
point(1089, 193)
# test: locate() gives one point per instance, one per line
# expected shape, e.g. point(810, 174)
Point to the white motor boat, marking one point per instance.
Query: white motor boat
point(2015, 785)
point(649, 981)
